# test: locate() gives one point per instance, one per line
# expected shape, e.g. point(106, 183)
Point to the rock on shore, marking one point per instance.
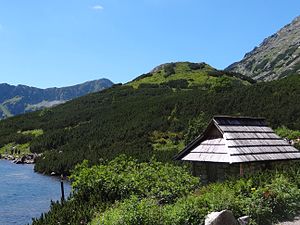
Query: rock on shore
point(24, 159)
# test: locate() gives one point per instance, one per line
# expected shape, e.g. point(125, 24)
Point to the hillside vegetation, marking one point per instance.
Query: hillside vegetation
point(126, 192)
point(147, 120)
point(188, 75)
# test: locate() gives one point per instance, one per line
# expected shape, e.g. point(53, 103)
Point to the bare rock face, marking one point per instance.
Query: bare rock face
point(276, 57)
point(224, 217)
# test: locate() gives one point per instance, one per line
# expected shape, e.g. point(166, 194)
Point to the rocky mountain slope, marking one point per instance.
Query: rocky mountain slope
point(19, 99)
point(276, 57)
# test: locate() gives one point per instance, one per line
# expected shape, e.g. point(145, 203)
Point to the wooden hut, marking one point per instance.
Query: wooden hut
point(233, 146)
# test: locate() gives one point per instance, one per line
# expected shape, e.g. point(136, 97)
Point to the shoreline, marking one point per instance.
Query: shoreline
point(29, 159)
point(20, 159)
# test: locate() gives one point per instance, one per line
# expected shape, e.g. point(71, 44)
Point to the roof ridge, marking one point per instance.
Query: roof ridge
point(238, 117)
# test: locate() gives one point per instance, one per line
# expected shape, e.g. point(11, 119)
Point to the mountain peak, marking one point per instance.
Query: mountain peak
point(296, 20)
point(276, 57)
point(173, 64)
point(187, 75)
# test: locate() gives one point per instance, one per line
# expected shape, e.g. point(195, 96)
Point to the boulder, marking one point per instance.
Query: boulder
point(18, 161)
point(29, 161)
point(244, 220)
point(224, 217)
point(23, 158)
point(10, 157)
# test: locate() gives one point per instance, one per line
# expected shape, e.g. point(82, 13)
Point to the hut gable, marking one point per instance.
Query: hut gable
point(238, 140)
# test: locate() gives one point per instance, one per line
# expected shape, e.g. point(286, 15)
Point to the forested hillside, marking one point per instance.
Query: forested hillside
point(146, 120)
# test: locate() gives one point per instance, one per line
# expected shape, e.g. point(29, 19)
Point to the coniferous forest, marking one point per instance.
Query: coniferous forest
point(148, 121)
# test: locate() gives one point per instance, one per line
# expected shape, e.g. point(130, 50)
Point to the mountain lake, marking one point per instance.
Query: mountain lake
point(25, 194)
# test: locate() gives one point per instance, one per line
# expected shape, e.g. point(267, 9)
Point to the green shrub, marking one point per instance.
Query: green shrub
point(266, 197)
point(284, 132)
point(189, 210)
point(96, 188)
point(123, 177)
point(196, 66)
point(131, 211)
point(220, 197)
point(124, 191)
point(143, 76)
point(286, 197)
point(180, 83)
point(196, 127)
point(169, 69)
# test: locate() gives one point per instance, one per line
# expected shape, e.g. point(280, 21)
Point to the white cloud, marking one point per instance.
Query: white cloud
point(98, 7)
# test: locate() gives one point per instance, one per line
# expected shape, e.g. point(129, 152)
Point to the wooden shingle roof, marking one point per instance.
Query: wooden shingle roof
point(238, 140)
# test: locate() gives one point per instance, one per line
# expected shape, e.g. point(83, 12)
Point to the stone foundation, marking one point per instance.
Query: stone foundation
point(211, 172)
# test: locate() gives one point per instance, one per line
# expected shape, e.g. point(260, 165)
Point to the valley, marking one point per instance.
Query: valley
point(117, 142)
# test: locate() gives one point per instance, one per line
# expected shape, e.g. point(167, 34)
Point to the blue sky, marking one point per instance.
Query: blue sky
point(63, 42)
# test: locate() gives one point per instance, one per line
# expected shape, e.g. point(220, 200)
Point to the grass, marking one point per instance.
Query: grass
point(181, 72)
point(35, 133)
point(24, 148)
point(198, 77)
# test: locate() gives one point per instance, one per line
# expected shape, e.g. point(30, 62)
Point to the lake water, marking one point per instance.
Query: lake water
point(25, 194)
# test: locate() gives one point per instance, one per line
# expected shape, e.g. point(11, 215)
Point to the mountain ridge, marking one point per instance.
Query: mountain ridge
point(276, 57)
point(18, 99)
